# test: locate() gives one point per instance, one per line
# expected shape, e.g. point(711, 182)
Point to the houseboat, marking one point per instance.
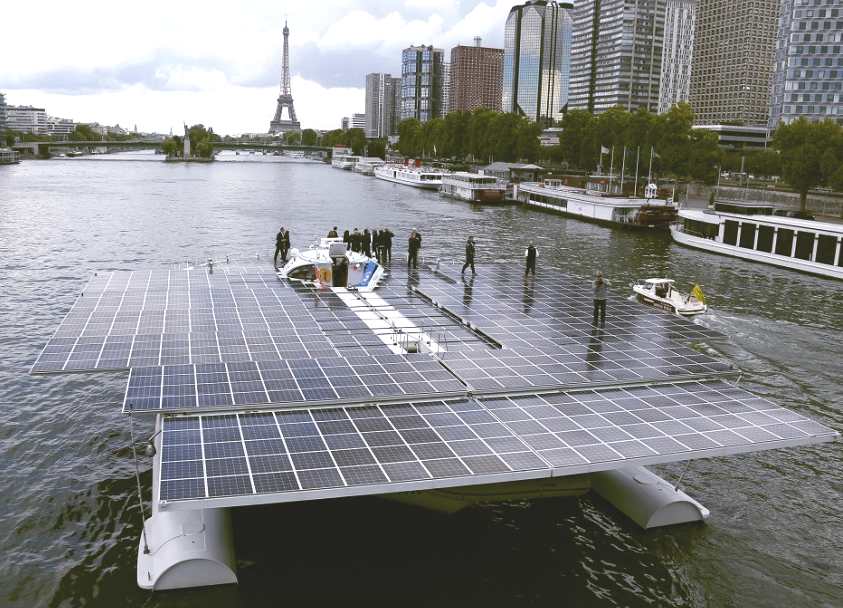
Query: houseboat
point(417, 177)
point(599, 203)
point(753, 231)
point(8, 156)
point(473, 187)
point(345, 162)
point(367, 165)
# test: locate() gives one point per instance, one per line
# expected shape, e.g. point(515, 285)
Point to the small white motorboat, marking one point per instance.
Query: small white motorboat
point(330, 264)
point(661, 293)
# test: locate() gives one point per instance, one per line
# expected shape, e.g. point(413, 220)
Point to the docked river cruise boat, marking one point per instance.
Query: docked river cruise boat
point(751, 231)
point(346, 162)
point(592, 203)
point(473, 187)
point(427, 179)
point(367, 165)
point(8, 156)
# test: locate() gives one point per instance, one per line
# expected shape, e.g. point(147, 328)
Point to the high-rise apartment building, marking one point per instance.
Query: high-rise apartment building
point(355, 121)
point(808, 71)
point(616, 54)
point(421, 83)
point(537, 59)
point(733, 54)
point(381, 111)
point(677, 51)
point(475, 77)
point(2, 117)
point(27, 119)
point(59, 127)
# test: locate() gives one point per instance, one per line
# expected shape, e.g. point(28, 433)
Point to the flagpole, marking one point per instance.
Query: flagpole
point(623, 168)
point(650, 172)
point(637, 156)
point(611, 168)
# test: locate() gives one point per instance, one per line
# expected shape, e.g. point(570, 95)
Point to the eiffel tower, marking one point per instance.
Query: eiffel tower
point(285, 99)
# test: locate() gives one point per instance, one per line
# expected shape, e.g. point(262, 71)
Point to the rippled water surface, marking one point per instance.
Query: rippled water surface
point(69, 518)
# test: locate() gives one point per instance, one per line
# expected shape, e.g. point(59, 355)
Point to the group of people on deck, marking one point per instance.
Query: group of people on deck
point(379, 241)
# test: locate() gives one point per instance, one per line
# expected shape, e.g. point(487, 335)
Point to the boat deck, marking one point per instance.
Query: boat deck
point(270, 391)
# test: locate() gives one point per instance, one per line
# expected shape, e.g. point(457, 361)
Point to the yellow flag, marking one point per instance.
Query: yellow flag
point(698, 294)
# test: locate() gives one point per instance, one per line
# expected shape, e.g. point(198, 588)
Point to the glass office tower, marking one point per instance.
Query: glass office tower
point(808, 74)
point(537, 60)
point(422, 85)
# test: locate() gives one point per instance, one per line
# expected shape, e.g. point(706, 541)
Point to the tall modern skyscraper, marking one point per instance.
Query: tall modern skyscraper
point(476, 77)
point(381, 111)
point(537, 59)
point(677, 50)
point(808, 71)
point(421, 83)
point(2, 117)
point(616, 54)
point(731, 75)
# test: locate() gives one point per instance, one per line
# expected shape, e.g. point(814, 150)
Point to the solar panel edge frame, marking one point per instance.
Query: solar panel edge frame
point(447, 482)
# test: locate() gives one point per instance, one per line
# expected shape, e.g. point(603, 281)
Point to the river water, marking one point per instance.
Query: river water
point(69, 519)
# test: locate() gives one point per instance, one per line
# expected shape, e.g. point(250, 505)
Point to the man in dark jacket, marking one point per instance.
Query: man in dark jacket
point(386, 237)
point(531, 254)
point(332, 234)
point(346, 238)
point(356, 239)
point(279, 245)
point(286, 245)
point(469, 255)
point(413, 246)
point(376, 244)
point(367, 242)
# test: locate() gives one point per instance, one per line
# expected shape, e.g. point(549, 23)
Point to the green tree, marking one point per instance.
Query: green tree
point(83, 132)
point(803, 146)
point(309, 137)
point(356, 138)
point(409, 137)
point(704, 156)
point(292, 137)
point(376, 148)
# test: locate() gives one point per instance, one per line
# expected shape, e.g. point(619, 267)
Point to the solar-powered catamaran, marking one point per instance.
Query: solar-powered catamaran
point(268, 390)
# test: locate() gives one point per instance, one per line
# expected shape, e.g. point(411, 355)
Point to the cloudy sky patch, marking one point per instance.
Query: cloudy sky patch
point(158, 63)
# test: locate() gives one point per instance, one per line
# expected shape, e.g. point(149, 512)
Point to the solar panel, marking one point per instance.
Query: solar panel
point(300, 454)
point(185, 388)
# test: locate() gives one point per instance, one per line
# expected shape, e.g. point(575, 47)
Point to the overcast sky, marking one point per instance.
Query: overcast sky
point(158, 63)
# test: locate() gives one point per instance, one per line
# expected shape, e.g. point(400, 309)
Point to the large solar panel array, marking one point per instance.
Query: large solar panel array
point(299, 454)
point(250, 383)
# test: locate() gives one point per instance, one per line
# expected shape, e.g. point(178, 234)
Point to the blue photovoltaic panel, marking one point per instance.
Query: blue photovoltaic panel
point(250, 383)
point(300, 454)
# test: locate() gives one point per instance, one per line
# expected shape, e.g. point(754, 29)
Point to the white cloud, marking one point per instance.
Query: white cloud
point(164, 61)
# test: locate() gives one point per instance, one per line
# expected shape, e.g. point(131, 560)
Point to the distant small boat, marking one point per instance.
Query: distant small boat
point(662, 294)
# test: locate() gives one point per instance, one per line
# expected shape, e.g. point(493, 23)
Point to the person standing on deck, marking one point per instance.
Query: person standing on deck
point(600, 286)
point(346, 238)
point(469, 255)
point(531, 254)
point(332, 234)
point(286, 245)
point(367, 243)
point(413, 246)
point(356, 239)
point(386, 236)
point(376, 244)
point(279, 245)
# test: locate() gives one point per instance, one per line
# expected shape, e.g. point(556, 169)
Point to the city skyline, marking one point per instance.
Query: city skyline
point(169, 73)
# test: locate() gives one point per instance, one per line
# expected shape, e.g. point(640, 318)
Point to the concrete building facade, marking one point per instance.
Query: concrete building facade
point(381, 110)
point(537, 60)
point(422, 83)
point(476, 78)
point(59, 127)
point(2, 117)
point(27, 119)
point(808, 70)
point(677, 52)
point(616, 54)
point(733, 55)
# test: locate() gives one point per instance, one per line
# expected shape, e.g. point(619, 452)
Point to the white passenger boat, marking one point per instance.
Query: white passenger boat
point(595, 203)
point(428, 179)
point(9, 156)
point(751, 231)
point(345, 162)
point(367, 165)
point(661, 293)
point(330, 264)
point(473, 187)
